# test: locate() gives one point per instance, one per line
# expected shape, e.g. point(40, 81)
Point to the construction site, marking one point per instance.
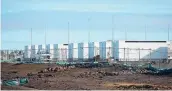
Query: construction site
point(112, 65)
point(86, 45)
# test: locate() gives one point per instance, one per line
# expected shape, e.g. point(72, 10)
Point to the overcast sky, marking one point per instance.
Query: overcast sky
point(133, 16)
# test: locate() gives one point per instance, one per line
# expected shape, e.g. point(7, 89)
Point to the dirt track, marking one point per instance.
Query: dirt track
point(82, 78)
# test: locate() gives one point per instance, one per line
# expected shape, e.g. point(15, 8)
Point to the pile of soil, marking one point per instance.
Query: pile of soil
point(53, 77)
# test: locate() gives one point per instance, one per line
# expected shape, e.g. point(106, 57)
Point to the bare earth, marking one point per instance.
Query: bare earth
point(82, 78)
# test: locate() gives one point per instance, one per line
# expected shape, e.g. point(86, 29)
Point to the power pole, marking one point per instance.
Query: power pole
point(125, 34)
point(112, 27)
point(45, 37)
point(113, 48)
point(68, 41)
point(31, 45)
point(145, 33)
point(68, 34)
point(168, 32)
point(88, 30)
point(31, 36)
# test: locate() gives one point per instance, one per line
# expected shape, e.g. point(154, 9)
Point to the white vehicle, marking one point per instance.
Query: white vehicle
point(43, 56)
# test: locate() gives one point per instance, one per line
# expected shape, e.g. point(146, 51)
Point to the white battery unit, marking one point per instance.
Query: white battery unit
point(85, 50)
point(96, 48)
point(75, 51)
point(55, 54)
point(50, 49)
point(109, 49)
point(27, 51)
point(63, 52)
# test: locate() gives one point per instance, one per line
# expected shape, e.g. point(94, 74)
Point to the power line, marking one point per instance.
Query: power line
point(112, 28)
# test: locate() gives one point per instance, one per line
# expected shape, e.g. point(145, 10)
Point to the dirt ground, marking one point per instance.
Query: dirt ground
point(108, 78)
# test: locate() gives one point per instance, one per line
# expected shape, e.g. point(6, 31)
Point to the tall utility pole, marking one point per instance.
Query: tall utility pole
point(68, 34)
point(145, 32)
point(88, 30)
point(125, 34)
point(31, 45)
point(45, 37)
point(31, 36)
point(112, 27)
point(45, 40)
point(168, 32)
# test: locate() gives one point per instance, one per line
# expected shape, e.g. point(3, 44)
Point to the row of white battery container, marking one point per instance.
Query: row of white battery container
point(73, 51)
point(120, 50)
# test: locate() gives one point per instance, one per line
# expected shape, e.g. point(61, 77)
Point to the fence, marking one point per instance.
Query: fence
point(10, 55)
point(88, 53)
point(119, 54)
point(122, 55)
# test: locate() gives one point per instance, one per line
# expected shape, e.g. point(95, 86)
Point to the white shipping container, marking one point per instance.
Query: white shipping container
point(55, 51)
point(50, 49)
point(26, 52)
point(96, 48)
point(75, 50)
point(29, 51)
point(109, 47)
point(85, 51)
point(34, 50)
point(63, 52)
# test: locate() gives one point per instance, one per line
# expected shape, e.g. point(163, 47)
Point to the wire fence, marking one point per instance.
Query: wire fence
point(11, 54)
point(128, 56)
point(104, 53)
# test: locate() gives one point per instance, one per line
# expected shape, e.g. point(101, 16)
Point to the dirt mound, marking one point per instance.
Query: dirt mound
point(56, 69)
point(135, 86)
point(54, 77)
point(98, 74)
